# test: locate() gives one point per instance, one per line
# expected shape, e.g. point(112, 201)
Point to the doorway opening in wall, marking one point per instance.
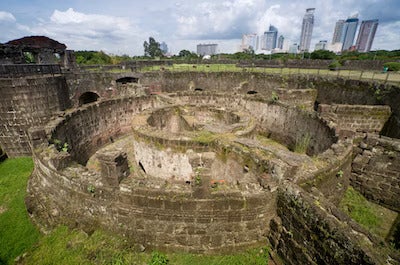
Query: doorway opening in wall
point(88, 97)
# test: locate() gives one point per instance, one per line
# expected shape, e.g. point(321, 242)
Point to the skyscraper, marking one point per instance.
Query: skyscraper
point(306, 29)
point(366, 35)
point(338, 31)
point(349, 32)
point(281, 39)
point(249, 41)
point(270, 38)
point(207, 49)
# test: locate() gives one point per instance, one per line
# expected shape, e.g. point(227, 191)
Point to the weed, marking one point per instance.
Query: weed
point(302, 143)
point(158, 258)
point(91, 188)
point(274, 97)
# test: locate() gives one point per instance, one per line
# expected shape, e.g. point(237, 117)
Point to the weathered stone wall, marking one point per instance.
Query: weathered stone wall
point(333, 180)
point(152, 218)
point(357, 118)
point(102, 83)
point(91, 126)
point(368, 65)
point(376, 171)
point(278, 121)
point(26, 102)
point(330, 90)
point(310, 230)
point(17, 70)
point(212, 81)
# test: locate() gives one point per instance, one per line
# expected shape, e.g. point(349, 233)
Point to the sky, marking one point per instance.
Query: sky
point(121, 26)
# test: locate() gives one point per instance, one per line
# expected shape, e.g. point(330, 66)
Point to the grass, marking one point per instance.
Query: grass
point(17, 234)
point(302, 143)
point(351, 74)
point(373, 217)
point(64, 246)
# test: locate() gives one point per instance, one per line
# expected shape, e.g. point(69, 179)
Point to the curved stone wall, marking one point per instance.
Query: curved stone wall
point(62, 191)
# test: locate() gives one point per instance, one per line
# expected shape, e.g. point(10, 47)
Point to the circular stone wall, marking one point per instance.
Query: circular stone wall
point(220, 200)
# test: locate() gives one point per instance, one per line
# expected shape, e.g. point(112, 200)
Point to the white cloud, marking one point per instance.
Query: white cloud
point(122, 28)
point(6, 16)
point(91, 31)
point(216, 19)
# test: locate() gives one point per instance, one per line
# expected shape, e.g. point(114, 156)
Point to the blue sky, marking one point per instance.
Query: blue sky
point(121, 26)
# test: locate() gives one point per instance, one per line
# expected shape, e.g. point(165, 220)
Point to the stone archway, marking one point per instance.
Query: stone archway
point(88, 97)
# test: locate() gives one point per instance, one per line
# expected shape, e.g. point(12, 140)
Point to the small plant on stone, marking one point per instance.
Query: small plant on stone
point(65, 147)
point(91, 189)
point(339, 174)
point(302, 144)
point(197, 180)
point(59, 145)
point(274, 97)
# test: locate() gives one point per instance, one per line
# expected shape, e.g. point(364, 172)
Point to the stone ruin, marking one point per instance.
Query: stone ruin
point(208, 162)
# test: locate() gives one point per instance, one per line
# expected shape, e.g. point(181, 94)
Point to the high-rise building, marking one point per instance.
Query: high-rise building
point(249, 41)
point(349, 32)
point(337, 35)
point(306, 29)
point(294, 48)
point(281, 39)
point(207, 49)
point(366, 35)
point(270, 38)
point(321, 45)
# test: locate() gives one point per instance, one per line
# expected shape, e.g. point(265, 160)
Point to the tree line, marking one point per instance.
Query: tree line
point(152, 50)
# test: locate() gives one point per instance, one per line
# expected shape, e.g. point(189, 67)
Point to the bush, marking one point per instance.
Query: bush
point(334, 65)
point(392, 66)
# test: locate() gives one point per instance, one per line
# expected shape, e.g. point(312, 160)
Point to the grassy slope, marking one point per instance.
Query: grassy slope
point(63, 246)
point(17, 234)
point(371, 216)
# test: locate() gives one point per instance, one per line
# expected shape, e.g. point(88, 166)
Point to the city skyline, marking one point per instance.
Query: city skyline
point(121, 27)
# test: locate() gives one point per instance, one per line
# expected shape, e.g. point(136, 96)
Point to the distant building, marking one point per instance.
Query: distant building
point(164, 47)
point(321, 45)
point(249, 41)
point(281, 40)
point(366, 35)
point(335, 47)
point(270, 38)
point(307, 29)
point(207, 49)
point(337, 34)
point(349, 32)
point(294, 48)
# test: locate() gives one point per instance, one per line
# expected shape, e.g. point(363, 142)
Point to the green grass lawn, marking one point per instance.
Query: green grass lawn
point(64, 246)
point(17, 234)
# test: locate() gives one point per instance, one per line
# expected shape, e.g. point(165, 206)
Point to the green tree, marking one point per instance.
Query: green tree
point(323, 55)
point(187, 54)
point(152, 48)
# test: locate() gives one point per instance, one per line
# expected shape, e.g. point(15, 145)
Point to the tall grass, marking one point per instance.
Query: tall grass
point(371, 216)
point(17, 234)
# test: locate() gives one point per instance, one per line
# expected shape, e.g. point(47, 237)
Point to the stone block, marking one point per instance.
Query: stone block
point(114, 167)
